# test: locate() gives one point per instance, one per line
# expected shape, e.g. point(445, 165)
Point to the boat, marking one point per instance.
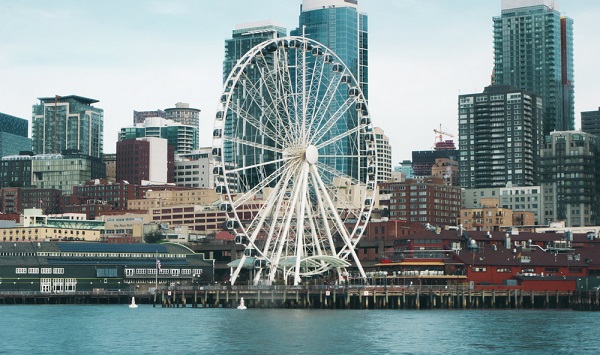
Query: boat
point(133, 305)
point(242, 306)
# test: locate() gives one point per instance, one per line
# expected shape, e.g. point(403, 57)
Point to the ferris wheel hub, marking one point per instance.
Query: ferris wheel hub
point(311, 154)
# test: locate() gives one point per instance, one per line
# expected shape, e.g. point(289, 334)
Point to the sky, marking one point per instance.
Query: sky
point(148, 55)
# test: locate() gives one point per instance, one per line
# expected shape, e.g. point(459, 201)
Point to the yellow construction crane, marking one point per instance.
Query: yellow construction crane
point(440, 133)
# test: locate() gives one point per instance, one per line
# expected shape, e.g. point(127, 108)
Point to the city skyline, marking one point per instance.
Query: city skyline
point(150, 55)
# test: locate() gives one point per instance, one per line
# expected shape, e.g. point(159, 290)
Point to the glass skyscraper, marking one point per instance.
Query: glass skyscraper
point(67, 124)
point(244, 38)
point(533, 51)
point(339, 25)
point(13, 135)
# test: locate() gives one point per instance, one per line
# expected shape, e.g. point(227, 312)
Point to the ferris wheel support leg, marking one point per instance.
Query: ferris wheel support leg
point(236, 273)
point(342, 228)
point(300, 232)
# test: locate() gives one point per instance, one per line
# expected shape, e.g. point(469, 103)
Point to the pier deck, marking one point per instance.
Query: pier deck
point(324, 297)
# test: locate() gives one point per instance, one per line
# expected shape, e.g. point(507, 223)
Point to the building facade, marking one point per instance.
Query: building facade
point(184, 138)
point(63, 172)
point(67, 124)
point(424, 160)
point(110, 161)
point(533, 51)
point(13, 135)
point(140, 116)
point(590, 122)
point(18, 199)
point(570, 178)
point(515, 198)
point(15, 170)
point(338, 25)
point(424, 200)
point(145, 159)
point(500, 134)
point(184, 114)
point(195, 169)
point(384, 155)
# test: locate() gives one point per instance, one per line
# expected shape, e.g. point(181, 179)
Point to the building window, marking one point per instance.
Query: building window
point(58, 271)
point(33, 270)
point(46, 270)
point(21, 270)
point(129, 272)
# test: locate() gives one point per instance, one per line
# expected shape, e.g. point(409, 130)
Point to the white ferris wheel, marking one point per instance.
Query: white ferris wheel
point(295, 161)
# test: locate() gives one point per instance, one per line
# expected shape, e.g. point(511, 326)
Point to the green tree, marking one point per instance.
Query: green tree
point(154, 236)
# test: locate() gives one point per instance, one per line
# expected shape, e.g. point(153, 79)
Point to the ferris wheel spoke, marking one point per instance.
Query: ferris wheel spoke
point(333, 120)
point(325, 104)
point(272, 162)
point(270, 78)
point(261, 128)
point(281, 171)
point(340, 225)
point(325, 217)
point(314, 228)
point(348, 133)
point(243, 142)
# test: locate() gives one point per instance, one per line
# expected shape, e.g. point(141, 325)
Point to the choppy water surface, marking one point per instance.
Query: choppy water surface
point(116, 329)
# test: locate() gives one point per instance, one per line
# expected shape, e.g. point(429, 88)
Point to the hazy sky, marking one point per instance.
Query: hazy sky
point(147, 55)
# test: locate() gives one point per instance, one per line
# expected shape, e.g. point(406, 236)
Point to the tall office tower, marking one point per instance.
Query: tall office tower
point(384, 155)
point(67, 123)
point(533, 51)
point(500, 133)
point(184, 114)
point(590, 121)
point(13, 135)
point(570, 178)
point(244, 38)
point(183, 137)
point(338, 25)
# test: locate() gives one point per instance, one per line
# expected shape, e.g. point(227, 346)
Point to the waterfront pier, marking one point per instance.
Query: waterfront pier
point(325, 297)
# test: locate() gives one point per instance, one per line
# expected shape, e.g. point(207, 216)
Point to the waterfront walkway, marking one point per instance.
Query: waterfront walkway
point(324, 297)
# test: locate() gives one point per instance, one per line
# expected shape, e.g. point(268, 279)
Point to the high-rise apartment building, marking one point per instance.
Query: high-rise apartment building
point(500, 132)
point(384, 155)
point(590, 122)
point(67, 124)
point(184, 114)
point(184, 138)
point(533, 51)
point(13, 135)
point(570, 178)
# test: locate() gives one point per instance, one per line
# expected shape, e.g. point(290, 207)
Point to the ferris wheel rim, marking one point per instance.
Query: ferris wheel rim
point(299, 158)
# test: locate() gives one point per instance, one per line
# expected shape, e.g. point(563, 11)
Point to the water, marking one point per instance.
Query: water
point(116, 329)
